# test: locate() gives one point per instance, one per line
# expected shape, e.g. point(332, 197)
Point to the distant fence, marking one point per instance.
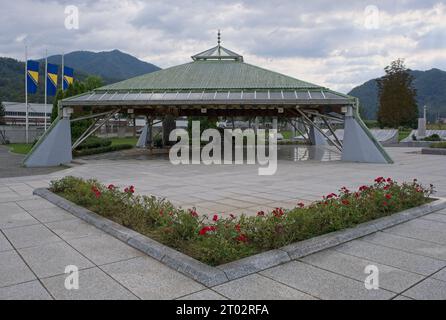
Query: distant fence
point(17, 134)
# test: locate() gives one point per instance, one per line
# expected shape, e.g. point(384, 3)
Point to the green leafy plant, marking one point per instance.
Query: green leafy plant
point(433, 137)
point(438, 145)
point(98, 150)
point(216, 240)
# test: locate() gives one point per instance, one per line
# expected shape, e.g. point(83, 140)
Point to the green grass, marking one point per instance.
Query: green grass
point(23, 148)
point(287, 134)
point(20, 148)
point(402, 134)
point(436, 126)
point(126, 140)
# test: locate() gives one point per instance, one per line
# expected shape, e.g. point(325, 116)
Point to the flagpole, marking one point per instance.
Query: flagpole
point(46, 81)
point(26, 93)
point(61, 82)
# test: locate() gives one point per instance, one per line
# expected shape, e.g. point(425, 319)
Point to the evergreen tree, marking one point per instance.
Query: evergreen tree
point(397, 97)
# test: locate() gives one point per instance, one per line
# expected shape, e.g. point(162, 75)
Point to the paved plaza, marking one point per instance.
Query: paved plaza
point(37, 239)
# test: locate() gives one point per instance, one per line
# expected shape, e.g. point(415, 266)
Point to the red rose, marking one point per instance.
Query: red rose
point(206, 229)
point(193, 213)
point(260, 213)
point(241, 238)
point(215, 218)
point(388, 196)
point(379, 179)
point(301, 205)
point(111, 187)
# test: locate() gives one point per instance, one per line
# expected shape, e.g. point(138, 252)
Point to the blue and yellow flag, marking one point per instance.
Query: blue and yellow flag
point(51, 79)
point(32, 76)
point(68, 77)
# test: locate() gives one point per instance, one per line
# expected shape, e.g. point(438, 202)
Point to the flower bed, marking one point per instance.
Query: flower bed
point(216, 240)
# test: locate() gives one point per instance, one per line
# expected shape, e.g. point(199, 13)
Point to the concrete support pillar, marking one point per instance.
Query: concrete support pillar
point(54, 147)
point(143, 137)
point(293, 128)
point(169, 124)
point(421, 132)
point(274, 123)
point(149, 137)
point(359, 145)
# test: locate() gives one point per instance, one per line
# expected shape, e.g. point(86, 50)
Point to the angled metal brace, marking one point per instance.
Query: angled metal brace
point(317, 128)
point(300, 131)
point(92, 130)
point(96, 115)
point(332, 131)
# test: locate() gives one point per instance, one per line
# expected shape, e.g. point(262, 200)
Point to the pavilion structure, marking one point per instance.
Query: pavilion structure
point(216, 83)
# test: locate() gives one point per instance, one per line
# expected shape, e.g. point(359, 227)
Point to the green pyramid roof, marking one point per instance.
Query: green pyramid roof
point(212, 75)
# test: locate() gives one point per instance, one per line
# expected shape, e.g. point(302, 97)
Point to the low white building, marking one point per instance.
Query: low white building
point(15, 113)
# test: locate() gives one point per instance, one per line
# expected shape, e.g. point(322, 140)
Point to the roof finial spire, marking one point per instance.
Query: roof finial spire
point(218, 37)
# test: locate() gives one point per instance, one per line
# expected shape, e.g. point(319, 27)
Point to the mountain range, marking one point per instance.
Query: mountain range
point(111, 66)
point(431, 92)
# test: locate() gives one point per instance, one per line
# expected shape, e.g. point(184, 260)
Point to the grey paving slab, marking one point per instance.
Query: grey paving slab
point(51, 214)
point(258, 287)
point(429, 289)
point(421, 231)
point(323, 284)
point(94, 284)
point(51, 259)
point(30, 236)
point(438, 217)
point(390, 278)
point(392, 257)
point(11, 215)
point(9, 196)
point(104, 249)
point(4, 243)
point(32, 290)
point(13, 270)
point(149, 279)
point(35, 204)
point(72, 229)
point(416, 246)
point(440, 275)
point(204, 295)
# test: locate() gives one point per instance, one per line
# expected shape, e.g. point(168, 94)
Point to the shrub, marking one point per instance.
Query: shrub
point(110, 148)
point(434, 137)
point(94, 142)
point(438, 145)
point(218, 240)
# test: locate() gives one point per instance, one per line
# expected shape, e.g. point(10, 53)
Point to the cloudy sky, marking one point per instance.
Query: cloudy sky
point(338, 44)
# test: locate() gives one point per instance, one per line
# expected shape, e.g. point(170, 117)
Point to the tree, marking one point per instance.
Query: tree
point(93, 82)
point(77, 87)
point(397, 97)
point(2, 114)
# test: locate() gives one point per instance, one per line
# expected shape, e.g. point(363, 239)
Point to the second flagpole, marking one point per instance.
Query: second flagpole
point(46, 82)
